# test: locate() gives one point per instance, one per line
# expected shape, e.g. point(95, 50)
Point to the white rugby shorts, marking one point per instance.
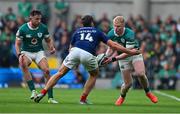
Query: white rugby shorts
point(128, 62)
point(78, 56)
point(35, 56)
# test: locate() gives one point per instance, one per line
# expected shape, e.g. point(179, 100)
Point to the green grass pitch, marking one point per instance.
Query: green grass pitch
point(16, 100)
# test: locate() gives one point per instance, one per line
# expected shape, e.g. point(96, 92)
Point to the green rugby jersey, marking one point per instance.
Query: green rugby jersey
point(32, 37)
point(127, 39)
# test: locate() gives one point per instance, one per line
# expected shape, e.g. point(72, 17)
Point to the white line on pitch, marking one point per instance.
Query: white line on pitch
point(167, 95)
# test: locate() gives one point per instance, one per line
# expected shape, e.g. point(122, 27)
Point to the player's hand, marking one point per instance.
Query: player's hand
point(20, 56)
point(108, 60)
point(52, 51)
point(135, 51)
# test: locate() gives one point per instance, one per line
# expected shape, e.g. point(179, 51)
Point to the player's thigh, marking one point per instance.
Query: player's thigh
point(89, 61)
point(62, 70)
point(94, 72)
point(125, 64)
point(138, 64)
point(41, 60)
point(43, 64)
point(127, 77)
point(126, 70)
point(72, 59)
point(40, 56)
point(25, 59)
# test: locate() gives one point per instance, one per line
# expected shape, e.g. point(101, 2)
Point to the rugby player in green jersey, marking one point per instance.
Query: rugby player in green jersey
point(29, 48)
point(128, 64)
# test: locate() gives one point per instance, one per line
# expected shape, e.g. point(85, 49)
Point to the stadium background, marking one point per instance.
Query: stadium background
point(156, 23)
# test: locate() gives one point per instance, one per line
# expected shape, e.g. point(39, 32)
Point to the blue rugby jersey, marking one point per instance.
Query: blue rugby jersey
point(88, 38)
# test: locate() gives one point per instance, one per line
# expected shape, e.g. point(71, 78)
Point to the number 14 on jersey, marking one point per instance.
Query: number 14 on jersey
point(86, 37)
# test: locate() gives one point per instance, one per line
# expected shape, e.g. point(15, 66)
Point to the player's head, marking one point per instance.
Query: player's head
point(35, 17)
point(88, 21)
point(119, 24)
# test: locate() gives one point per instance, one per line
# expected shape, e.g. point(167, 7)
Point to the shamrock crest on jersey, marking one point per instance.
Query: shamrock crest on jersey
point(39, 34)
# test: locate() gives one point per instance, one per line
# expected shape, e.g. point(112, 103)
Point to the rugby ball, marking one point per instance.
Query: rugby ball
point(100, 58)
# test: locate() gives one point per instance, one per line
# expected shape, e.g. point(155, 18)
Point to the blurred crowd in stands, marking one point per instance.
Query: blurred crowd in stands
point(159, 39)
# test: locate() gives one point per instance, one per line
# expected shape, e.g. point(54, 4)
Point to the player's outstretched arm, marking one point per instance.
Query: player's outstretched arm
point(118, 47)
point(114, 58)
point(124, 55)
point(109, 52)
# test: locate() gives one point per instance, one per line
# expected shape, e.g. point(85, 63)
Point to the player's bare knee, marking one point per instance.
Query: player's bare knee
point(94, 73)
point(24, 67)
point(143, 77)
point(140, 73)
point(46, 71)
point(93, 76)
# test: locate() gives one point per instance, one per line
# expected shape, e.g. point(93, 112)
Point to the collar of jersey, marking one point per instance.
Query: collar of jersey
point(117, 34)
point(31, 27)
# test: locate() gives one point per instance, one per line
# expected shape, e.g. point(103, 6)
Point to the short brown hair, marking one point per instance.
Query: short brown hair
point(35, 12)
point(87, 21)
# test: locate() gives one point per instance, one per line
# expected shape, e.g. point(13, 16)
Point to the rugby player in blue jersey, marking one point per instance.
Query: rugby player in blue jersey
point(83, 51)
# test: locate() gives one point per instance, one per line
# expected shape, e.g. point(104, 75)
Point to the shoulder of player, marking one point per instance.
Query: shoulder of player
point(129, 34)
point(98, 30)
point(23, 27)
point(43, 26)
point(128, 30)
point(77, 30)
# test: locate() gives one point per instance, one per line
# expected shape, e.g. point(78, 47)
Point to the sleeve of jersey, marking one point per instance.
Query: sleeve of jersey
point(46, 34)
point(19, 34)
point(133, 39)
point(103, 37)
point(131, 36)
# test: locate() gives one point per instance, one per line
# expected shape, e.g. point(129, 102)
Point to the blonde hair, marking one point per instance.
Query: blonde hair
point(118, 20)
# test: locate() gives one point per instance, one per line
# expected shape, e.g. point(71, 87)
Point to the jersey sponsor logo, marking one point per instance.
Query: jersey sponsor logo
point(39, 34)
point(34, 41)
